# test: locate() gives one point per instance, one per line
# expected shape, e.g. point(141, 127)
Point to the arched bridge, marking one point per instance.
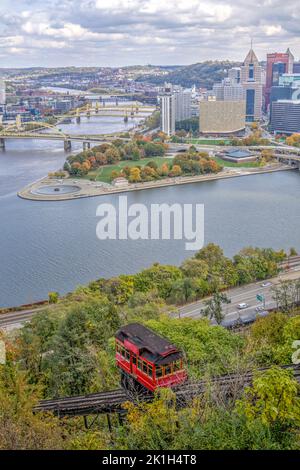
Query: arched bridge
point(45, 131)
point(135, 110)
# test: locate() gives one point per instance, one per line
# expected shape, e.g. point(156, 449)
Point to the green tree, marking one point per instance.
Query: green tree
point(53, 297)
point(208, 349)
point(273, 398)
point(153, 149)
point(183, 291)
point(73, 362)
point(214, 307)
point(159, 277)
point(20, 428)
point(293, 252)
point(193, 267)
point(286, 295)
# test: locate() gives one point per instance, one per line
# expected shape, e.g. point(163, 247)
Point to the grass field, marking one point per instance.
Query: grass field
point(236, 165)
point(104, 173)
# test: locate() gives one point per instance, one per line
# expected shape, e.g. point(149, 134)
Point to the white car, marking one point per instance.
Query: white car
point(242, 305)
point(266, 284)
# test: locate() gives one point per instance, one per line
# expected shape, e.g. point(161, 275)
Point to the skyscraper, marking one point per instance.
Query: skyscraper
point(2, 92)
point(285, 117)
point(251, 79)
point(288, 88)
point(168, 110)
point(175, 106)
point(228, 90)
point(277, 65)
point(235, 74)
point(182, 104)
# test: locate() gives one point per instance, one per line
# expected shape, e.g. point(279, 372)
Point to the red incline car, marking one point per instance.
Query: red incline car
point(147, 359)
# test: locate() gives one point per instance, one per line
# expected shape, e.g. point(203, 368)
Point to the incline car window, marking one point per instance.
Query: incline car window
point(123, 351)
point(144, 367)
point(169, 369)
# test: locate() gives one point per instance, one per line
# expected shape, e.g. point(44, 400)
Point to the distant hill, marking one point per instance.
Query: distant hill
point(203, 74)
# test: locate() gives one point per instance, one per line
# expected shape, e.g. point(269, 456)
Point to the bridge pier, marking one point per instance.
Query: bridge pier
point(67, 145)
point(86, 145)
point(2, 144)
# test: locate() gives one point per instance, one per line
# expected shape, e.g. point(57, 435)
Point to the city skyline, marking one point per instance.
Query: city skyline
point(131, 32)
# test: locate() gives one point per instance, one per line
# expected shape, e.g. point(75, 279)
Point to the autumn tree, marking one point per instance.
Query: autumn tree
point(112, 154)
point(135, 175)
point(175, 171)
point(20, 428)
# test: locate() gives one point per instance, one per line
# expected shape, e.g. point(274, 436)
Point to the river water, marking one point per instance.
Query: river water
point(47, 246)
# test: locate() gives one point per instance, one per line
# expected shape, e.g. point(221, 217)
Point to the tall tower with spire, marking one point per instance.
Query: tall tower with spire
point(251, 79)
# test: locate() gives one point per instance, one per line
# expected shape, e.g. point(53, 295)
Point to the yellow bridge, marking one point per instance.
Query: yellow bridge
point(45, 131)
point(114, 111)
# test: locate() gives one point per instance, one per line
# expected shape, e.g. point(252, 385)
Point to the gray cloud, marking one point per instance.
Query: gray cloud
point(123, 32)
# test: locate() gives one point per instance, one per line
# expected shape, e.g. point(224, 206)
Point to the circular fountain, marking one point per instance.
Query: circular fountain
point(56, 190)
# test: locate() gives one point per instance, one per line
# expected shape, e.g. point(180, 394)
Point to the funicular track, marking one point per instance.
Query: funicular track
point(113, 401)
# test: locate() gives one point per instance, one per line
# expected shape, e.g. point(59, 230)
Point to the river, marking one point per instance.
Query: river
point(52, 246)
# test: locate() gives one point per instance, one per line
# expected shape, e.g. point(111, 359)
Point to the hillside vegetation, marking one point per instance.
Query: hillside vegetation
point(203, 74)
point(68, 349)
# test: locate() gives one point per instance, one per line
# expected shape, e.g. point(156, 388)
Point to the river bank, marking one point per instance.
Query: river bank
point(85, 188)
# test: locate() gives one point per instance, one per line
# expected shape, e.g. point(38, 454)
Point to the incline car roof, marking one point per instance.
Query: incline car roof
point(144, 338)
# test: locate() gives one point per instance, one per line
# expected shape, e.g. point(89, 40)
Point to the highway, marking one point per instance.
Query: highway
point(244, 294)
point(247, 294)
point(177, 147)
point(17, 319)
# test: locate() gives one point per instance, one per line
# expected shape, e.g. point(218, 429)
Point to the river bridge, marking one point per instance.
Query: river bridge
point(132, 111)
point(44, 131)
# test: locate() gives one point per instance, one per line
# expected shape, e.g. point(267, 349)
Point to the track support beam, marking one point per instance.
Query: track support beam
point(86, 145)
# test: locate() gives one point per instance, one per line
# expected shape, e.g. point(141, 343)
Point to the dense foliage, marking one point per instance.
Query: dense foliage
point(68, 349)
point(190, 162)
point(106, 154)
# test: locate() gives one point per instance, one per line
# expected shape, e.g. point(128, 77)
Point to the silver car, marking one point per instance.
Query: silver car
point(242, 306)
point(266, 284)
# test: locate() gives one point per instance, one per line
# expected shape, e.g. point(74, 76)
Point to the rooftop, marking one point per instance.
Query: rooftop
point(145, 339)
point(239, 153)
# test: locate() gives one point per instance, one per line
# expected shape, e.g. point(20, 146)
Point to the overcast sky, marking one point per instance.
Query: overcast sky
point(127, 32)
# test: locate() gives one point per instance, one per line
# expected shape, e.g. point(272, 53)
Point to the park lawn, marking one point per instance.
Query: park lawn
point(104, 173)
point(208, 141)
point(236, 165)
